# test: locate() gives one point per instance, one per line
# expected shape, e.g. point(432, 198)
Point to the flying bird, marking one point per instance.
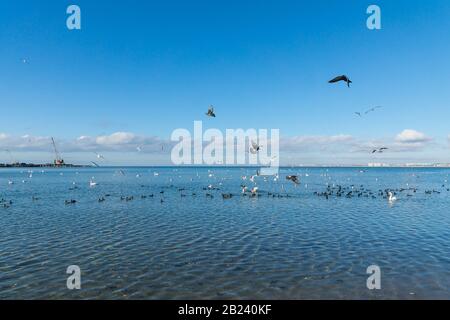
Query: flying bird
point(341, 78)
point(360, 114)
point(99, 156)
point(372, 109)
point(210, 112)
point(294, 179)
point(255, 148)
point(380, 150)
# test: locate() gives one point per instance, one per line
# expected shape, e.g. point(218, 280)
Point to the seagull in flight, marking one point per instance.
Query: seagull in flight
point(341, 78)
point(138, 148)
point(210, 112)
point(361, 114)
point(373, 109)
point(380, 150)
point(294, 179)
point(99, 156)
point(255, 148)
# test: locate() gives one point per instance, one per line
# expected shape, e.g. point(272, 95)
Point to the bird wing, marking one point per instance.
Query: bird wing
point(338, 78)
point(373, 109)
point(255, 145)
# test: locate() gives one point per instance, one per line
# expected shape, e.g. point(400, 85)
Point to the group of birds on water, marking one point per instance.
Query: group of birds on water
point(337, 191)
point(253, 190)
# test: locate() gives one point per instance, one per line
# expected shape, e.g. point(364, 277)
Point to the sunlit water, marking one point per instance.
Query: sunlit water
point(197, 247)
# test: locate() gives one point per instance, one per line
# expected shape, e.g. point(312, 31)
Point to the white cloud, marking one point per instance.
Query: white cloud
point(118, 138)
point(119, 141)
point(412, 136)
point(303, 143)
point(312, 148)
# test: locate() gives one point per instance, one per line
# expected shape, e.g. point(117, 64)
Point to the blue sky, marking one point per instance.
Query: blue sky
point(149, 67)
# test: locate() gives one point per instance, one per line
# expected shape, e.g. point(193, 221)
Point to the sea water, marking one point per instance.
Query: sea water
point(171, 241)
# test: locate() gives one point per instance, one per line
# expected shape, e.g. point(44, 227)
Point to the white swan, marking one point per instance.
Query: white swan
point(392, 198)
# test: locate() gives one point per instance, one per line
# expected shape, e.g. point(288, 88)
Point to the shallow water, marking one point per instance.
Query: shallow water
point(197, 247)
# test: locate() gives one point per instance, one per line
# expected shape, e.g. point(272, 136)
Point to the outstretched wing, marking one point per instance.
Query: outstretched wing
point(372, 109)
point(338, 78)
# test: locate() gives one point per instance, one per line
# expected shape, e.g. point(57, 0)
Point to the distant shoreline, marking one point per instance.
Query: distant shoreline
point(52, 166)
point(38, 165)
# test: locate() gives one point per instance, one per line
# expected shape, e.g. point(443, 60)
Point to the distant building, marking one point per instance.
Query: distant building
point(377, 165)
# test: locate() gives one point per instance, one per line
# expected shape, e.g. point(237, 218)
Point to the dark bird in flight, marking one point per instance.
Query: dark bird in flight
point(360, 114)
point(210, 112)
point(380, 150)
point(341, 78)
point(372, 109)
point(254, 149)
point(294, 179)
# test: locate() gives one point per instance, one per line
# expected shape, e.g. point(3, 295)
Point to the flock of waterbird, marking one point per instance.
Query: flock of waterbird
point(252, 186)
point(254, 191)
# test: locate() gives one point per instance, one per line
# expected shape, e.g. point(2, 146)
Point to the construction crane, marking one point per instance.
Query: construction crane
point(58, 162)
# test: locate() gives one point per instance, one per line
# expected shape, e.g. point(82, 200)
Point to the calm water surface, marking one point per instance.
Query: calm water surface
point(197, 247)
